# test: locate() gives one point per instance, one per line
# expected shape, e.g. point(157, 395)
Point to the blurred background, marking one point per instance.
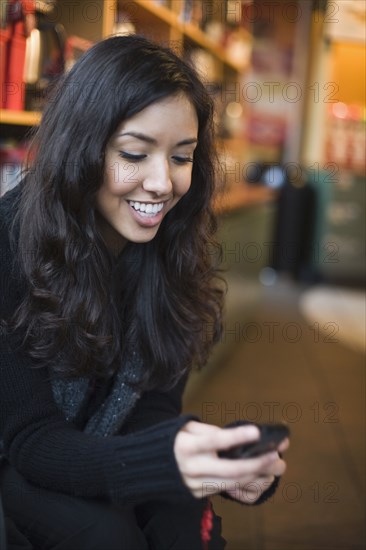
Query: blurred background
point(288, 81)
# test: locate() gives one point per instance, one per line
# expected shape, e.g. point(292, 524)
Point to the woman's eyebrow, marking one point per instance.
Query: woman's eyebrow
point(187, 141)
point(153, 141)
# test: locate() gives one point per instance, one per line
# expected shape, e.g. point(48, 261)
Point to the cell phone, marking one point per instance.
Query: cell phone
point(271, 437)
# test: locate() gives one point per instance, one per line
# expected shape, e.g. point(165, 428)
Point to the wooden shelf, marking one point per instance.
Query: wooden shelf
point(20, 118)
point(198, 36)
point(243, 196)
point(161, 12)
point(149, 13)
point(190, 31)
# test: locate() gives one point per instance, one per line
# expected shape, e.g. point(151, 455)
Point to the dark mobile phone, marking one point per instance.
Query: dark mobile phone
point(271, 437)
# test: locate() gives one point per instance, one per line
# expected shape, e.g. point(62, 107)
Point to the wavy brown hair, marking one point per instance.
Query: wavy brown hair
point(163, 297)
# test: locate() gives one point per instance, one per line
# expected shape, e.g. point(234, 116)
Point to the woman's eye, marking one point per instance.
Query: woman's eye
point(182, 160)
point(131, 157)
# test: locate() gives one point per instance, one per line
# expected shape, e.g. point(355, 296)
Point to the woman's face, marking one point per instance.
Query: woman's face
point(148, 168)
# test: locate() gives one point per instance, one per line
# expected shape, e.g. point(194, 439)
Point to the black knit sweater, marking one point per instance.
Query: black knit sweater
point(136, 466)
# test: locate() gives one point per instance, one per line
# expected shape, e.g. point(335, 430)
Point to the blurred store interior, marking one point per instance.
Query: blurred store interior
point(288, 80)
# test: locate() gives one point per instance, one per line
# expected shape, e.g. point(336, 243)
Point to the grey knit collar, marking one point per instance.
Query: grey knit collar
point(110, 416)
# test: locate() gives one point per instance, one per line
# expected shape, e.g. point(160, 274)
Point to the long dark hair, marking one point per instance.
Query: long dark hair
point(169, 301)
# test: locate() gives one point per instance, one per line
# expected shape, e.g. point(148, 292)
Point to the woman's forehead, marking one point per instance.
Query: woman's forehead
point(171, 115)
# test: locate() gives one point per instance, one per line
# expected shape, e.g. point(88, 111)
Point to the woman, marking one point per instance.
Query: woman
point(107, 287)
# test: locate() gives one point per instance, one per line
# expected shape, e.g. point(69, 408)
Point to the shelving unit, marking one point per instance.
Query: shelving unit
point(187, 31)
point(146, 15)
point(244, 196)
point(20, 118)
point(162, 23)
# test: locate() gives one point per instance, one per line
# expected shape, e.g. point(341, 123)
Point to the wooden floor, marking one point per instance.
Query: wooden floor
point(282, 368)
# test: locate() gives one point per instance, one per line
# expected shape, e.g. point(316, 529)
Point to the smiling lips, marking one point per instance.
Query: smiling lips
point(147, 209)
point(147, 214)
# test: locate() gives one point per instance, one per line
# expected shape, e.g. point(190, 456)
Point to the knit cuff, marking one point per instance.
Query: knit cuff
point(144, 466)
point(264, 496)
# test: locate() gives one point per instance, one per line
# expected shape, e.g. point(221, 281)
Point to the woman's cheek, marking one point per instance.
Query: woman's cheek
point(120, 176)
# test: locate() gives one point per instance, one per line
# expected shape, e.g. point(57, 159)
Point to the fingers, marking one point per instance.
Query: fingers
point(211, 438)
point(210, 465)
point(215, 438)
point(246, 490)
point(284, 445)
point(196, 448)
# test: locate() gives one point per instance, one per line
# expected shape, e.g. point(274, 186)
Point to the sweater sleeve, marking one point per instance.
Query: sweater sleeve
point(51, 452)
point(155, 406)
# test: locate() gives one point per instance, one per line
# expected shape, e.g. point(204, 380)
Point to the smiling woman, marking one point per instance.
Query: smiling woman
point(148, 169)
point(109, 296)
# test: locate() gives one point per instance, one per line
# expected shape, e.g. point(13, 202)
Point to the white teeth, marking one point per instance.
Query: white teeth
point(147, 208)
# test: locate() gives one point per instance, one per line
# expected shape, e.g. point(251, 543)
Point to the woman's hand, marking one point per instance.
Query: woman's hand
point(204, 473)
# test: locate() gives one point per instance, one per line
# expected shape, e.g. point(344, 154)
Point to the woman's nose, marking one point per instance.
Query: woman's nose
point(158, 180)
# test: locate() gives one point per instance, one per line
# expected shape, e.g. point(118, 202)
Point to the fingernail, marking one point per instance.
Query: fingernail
point(250, 431)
